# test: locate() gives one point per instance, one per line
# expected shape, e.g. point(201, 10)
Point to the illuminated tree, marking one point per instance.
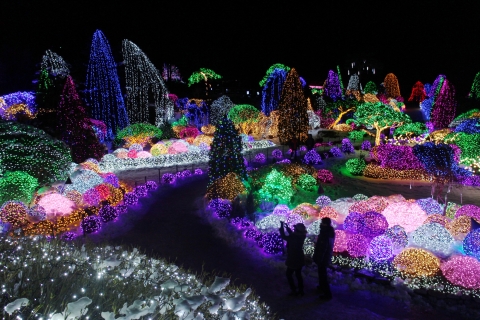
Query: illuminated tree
point(272, 90)
point(74, 126)
point(203, 75)
point(332, 87)
point(444, 107)
point(271, 70)
point(411, 129)
point(340, 79)
point(244, 116)
point(432, 93)
point(293, 117)
point(277, 185)
point(54, 64)
point(353, 88)
point(18, 186)
point(475, 89)
point(371, 88)
point(220, 109)
point(144, 83)
point(351, 107)
point(226, 152)
point(171, 73)
point(380, 117)
point(103, 87)
point(418, 93)
point(391, 86)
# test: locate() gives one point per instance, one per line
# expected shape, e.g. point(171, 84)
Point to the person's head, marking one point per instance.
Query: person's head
point(326, 221)
point(300, 228)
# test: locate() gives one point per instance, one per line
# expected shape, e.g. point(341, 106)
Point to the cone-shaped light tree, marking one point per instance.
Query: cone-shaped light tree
point(293, 116)
point(103, 87)
point(380, 117)
point(443, 110)
point(74, 127)
point(418, 92)
point(226, 152)
point(332, 88)
point(475, 90)
point(392, 88)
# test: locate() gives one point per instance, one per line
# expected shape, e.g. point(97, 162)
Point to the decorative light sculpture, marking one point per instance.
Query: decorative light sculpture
point(444, 108)
point(391, 86)
point(272, 90)
point(414, 262)
point(357, 245)
point(434, 238)
point(332, 87)
point(406, 214)
point(54, 64)
point(312, 157)
point(462, 271)
point(220, 109)
point(142, 78)
point(381, 248)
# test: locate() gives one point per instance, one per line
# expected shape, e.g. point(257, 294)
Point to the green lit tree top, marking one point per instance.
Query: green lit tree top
point(202, 75)
point(475, 90)
point(137, 130)
point(244, 116)
point(31, 150)
point(18, 186)
point(277, 185)
point(380, 117)
point(411, 129)
point(271, 70)
point(371, 88)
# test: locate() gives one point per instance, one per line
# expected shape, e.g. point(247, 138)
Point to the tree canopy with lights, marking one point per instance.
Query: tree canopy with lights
point(392, 87)
point(271, 70)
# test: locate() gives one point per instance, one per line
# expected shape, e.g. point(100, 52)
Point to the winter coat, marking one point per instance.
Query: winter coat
point(324, 246)
point(295, 240)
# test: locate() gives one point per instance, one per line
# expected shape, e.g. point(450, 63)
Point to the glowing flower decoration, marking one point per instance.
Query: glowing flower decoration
point(56, 205)
point(198, 172)
point(469, 210)
point(406, 214)
point(433, 237)
point(366, 145)
point(228, 187)
point(186, 173)
point(168, 178)
point(270, 222)
point(132, 154)
point(122, 209)
point(91, 197)
point(340, 244)
point(452, 209)
point(357, 245)
point(277, 154)
point(430, 206)
point(151, 185)
point(381, 248)
point(158, 149)
point(122, 155)
point(91, 224)
point(462, 271)
point(103, 191)
point(37, 213)
point(111, 178)
point(15, 213)
point(293, 219)
point(203, 139)
point(177, 147)
point(143, 154)
point(281, 210)
point(312, 157)
point(323, 201)
point(253, 234)
point(108, 213)
point(130, 199)
point(374, 224)
point(471, 244)
point(307, 182)
point(272, 243)
point(398, 236)
point(141, 191)
point(324, 175)
point(460, 227)
point(438, 218)
point(415, 262)
point(328, 212)
point(136, 146)
point(84, 180)
point(354, 223)
point(260, 158)
point(117, 151)
point(336, 152)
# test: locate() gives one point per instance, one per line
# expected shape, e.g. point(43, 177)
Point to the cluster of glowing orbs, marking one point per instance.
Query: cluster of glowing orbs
point(406, 214)
point(471, 244)
point(15, 213)
point(272, 243)
point(381, 248)
point(227, 187)
point(469, 210)
point(357, 245)
point(433, 237)
point(438, 218)
point(203, 138)
point(462, 271)
point(460, 227)
point(270, 222)
point(158, 149)
point(56, 205)
point(91, 224)
point(416, 262)
point(312, 157)
point(91, 197)
point(168, 178)
point(323, 201)
point(430, 206)
point(398, 236)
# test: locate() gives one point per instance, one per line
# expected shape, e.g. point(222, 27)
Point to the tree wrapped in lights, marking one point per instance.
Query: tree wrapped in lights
point(277, 185)
point(380, 117)
point(138, 133)
point(340, 79)
point(31, 150)
point(353, 87)
point(17, 185)
point(244, 117)
point(74, 126)
point(392, 89)
point(475, 89)
point(418, 92)
point(225, 152)
point(293, 117)
point(370, 88)
point(411, 129)
point(271, 70)
point(220, 109)
point(272, 90)
point(432, 94)
point(356, 166)
point(332, 87)
point(142, 80)
point(103, 87)
point(443, 110)
point(204, 75)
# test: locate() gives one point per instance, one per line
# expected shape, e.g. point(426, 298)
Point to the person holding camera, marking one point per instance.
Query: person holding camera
point(323, 256)
point(295, 257)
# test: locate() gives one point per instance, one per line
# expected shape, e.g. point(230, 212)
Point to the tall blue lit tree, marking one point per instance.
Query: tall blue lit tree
point(144, 84)
point(272, 90)
point(103, 92)
point(432, 93)
point(332, 88)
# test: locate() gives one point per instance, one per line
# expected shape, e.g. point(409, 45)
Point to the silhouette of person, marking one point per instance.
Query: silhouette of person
point(295, 257)
point(322, 256)
point(310, 143)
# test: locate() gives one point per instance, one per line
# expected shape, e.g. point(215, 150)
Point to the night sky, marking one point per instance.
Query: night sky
point(414, 40)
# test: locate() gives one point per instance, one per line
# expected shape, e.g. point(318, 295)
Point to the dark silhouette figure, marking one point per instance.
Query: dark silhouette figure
point(295, 257)
point(293, 146)
point(310, 143)
point(323, 256)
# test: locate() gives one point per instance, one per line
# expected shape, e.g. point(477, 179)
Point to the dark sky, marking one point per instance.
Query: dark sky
point(237, 39)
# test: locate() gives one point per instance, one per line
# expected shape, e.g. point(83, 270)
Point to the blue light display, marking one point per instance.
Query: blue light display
point(272, 90)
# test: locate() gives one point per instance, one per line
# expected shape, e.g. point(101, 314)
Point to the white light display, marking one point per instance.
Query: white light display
point(54, 64)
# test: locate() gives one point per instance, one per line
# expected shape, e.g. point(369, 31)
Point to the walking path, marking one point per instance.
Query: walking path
point(170, 224)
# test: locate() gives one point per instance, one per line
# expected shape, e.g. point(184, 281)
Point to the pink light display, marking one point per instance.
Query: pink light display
point(357, 245)
point(56, 205)
point(469, 210)
point(91, 197)
point(462, 271)
point(407, 214)
point(328, 212)
point(340, 244)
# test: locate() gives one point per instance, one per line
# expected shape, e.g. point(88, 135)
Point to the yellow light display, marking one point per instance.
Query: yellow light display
point(415, 262)
point(378, 172)
point(459, 227)
point(227, 187)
